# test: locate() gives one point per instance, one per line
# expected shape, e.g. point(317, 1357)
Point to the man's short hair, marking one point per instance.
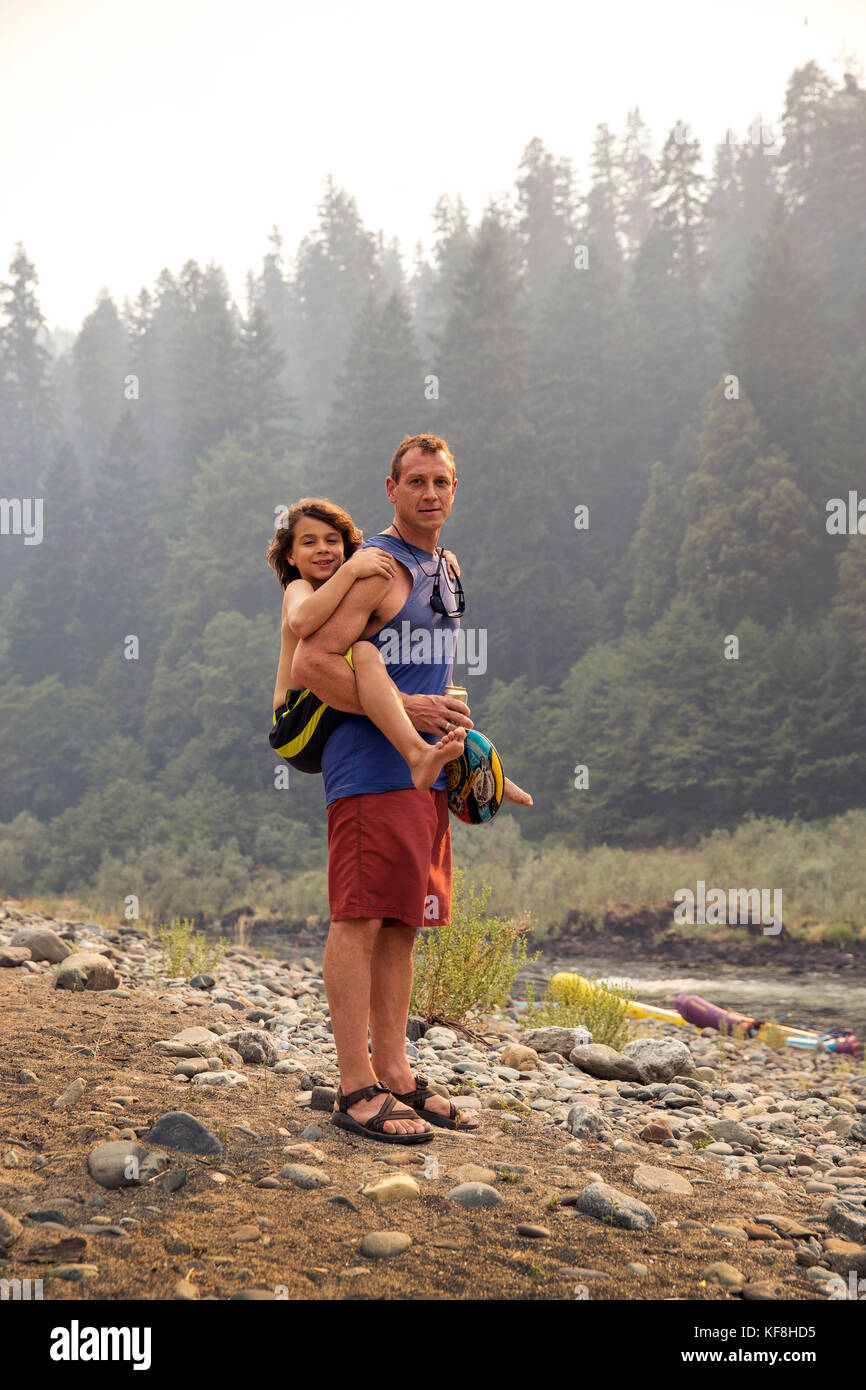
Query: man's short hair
point(429, 443)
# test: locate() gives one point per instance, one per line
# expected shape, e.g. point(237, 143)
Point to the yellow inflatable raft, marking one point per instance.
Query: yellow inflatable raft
point(561, 982)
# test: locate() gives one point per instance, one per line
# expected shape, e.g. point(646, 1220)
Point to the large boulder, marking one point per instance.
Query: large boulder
point(190, 1042)
point(254, 1046)
point(614, 1207)
point(124, 1163)
point(583, 1121)
point(604, 1062)
point(11, 956)
point(561, 1040)
point(848, 1219)
point(660, 1059)
point(732, 1132)
point(520, 1057)
point(10, 1229)
point(86, 970)
point(43, 944)
point(177, 1130)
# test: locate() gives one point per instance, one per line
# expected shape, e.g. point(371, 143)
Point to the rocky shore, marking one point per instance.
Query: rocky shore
point(169, 1138)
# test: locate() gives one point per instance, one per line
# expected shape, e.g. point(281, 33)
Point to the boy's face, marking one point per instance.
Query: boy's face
point(317, 550)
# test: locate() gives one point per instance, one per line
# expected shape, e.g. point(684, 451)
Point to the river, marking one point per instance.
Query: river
point(819, 998)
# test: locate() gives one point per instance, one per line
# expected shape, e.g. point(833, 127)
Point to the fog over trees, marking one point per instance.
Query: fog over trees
point(652, 375)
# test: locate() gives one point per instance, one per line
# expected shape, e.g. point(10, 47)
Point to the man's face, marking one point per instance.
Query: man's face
point(425, 492)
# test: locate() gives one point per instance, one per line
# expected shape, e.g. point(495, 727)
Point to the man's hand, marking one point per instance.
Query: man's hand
point(435, 714)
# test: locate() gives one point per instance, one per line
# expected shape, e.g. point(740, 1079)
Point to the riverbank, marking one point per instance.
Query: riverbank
point(689, 1166)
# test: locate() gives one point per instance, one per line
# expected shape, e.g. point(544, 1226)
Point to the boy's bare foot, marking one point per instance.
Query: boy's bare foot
point(404, 1121)
point(511, 792)
point(429, 761)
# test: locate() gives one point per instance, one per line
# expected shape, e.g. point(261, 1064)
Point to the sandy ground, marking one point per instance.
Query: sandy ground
point(307, 1246)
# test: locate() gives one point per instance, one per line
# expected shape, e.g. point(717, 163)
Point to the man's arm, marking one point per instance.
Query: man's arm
point(319, 663)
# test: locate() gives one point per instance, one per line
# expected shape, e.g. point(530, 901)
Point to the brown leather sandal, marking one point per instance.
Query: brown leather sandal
point(374, 1127)
point(417, 1100)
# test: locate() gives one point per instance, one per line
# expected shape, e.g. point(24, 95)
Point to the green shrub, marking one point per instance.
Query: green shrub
point(186, 952)
point(469, 965)
point(588, 1003)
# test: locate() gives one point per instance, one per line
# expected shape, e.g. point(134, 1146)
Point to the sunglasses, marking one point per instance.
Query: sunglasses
point(436, 601)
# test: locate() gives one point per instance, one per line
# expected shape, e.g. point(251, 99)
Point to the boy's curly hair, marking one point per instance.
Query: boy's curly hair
point(283, 538)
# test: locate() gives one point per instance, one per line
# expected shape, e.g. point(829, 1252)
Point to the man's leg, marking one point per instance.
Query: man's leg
point(391, 989)
point(347, 971)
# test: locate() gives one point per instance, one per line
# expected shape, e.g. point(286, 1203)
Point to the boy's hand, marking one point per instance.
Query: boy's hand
point(369, 563)
point(452, 564)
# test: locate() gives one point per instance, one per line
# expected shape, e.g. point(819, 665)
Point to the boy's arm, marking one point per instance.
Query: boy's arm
point(314, 663)
point(307, 608)
point(310, 607)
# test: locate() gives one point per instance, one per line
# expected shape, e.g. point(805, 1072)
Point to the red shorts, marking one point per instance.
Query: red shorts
point(389, 856)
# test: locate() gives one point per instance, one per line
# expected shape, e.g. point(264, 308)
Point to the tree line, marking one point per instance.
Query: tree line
point(653, 380)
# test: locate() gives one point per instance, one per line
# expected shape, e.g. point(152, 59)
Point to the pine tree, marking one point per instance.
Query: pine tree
point(380, 399)
point(545, 201)
point(849, 600)
point(432, 286)
point(270, 416)
point(212, 382)
point(122, 557)
point(652, 557)
point(635, 169)
point(668, 289)
point(751, 549)
point(601, 217)
point(100, 360)
point(42, 621)
point(779, 344)
point(28, 413)
point(336, 267)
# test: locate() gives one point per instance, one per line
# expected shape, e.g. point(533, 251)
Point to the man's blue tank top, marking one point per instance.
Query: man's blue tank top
point(417, 646)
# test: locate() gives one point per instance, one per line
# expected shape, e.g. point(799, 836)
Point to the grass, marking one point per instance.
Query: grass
point(819, 865)
point(591, 1003)
point(468, 966)
point(186, 952)
point(773, 1037)
point(506, 1175)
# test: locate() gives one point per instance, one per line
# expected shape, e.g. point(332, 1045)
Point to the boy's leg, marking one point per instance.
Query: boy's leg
point(380, 701)
point(347, 974)
point(342, 691)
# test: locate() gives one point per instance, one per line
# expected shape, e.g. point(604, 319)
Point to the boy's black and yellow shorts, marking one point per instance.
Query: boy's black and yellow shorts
point(303, 726)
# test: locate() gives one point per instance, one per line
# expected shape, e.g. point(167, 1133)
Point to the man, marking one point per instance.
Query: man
point(389, 844)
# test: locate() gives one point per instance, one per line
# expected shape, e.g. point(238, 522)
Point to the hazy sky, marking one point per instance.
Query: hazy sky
point(136, 136)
